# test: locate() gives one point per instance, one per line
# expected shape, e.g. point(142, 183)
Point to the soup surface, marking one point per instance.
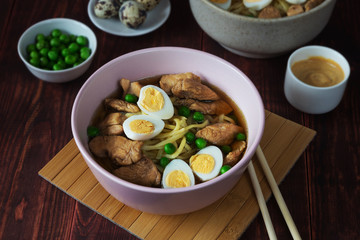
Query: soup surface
point(318, 71)
point(167, 131)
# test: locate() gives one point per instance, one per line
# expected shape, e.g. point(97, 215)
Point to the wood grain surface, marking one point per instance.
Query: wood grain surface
point(322, 191)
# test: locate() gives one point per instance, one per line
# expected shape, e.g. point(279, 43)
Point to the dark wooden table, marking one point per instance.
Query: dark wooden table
point(322, 191)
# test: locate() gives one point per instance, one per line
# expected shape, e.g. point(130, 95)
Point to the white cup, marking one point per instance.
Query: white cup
point(308, 98)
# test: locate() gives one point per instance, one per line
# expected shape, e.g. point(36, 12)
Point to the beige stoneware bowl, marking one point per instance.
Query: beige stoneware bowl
point(260, 38)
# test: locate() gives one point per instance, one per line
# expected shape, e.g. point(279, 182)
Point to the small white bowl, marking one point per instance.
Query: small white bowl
point(68, 26)
point(311, 99)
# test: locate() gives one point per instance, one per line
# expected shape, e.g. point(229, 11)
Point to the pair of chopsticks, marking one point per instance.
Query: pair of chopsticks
point(280, 200)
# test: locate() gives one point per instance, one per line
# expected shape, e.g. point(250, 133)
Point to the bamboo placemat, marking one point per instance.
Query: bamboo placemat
point(282, 143)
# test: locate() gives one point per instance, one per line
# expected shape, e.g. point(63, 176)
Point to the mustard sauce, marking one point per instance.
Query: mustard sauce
point(318, 71)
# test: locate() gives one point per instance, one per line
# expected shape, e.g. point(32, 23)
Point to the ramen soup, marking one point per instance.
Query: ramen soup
point(167, 131)
point(318, 71)
point(272, 8)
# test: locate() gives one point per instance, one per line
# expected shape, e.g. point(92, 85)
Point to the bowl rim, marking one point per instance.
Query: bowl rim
point(267, 21)
point(89, 159)
point(56, 20)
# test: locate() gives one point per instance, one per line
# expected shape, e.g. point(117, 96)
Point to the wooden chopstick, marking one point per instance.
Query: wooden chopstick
point(279, 198)
point(262, 204)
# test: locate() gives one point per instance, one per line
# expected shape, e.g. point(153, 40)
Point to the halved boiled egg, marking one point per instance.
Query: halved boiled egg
point(224, 4)
point(155, 102)
point(206, 164)
point(256, 4)
point(142, 127)
point(295, 1)
point(177, 174)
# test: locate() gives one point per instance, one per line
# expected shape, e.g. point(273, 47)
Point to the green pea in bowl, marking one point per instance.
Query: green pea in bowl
point(57, 50)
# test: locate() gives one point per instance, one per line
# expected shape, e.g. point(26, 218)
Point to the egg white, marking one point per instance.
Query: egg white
point(257, 5)
point(158, 124)
point(177, 164)
point(295, 1)
point(216, 153)
point(168, 109)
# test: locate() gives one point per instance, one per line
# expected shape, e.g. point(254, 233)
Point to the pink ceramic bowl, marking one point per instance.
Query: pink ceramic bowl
point(155, 61)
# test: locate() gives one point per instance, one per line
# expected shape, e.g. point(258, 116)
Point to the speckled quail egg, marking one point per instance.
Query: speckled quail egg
point(155, 102)
point(132, 14)
point(106, 8)
point(142, 127)
point(257, 4)
point(148, 4)
point(206, 164)
point(177, 174)
point(295, 1)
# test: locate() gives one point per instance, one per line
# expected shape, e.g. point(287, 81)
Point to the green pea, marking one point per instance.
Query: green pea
point(42, 44)
point(190, 137)
point(44, 61)
point(198, 117)
point(58, 67)
point(35, 62)
point(72, 38)
point(164, 161)
point(70, 59)
point(92, 131)
point(84, 55)
point(240, 137)
point(30, 48)
point(65, 52)
point(64, 38)
point(200, 143)
point(131, 98)
point(226, 149)
point(53, 55)
point(169, 148)
point(34, 54)
point(44, 52)
point(82, 40)
point(55, 42)
point(73, 47)
point(224, 169)
point(184, 111)
point(55, 33)
point(40, 37)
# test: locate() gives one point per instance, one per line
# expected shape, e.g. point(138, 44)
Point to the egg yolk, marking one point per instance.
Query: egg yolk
point(202, 163)
point(177, 179)
point(153, 100)
point(141, 126)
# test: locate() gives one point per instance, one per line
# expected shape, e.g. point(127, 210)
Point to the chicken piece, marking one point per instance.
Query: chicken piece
point(120, 150)
point(294, 10)
point(111, 125)
point(144, 172)
point(213, 108)
point(219, 133)
point(167, 82)
point(125, 85)
point(121, 106)
point(269, 12)
point(312, 4)
point(112, 130)
point(233, 157)
point(135, 88)
point(188, 88)
point(130, 87)
point(115, 118)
